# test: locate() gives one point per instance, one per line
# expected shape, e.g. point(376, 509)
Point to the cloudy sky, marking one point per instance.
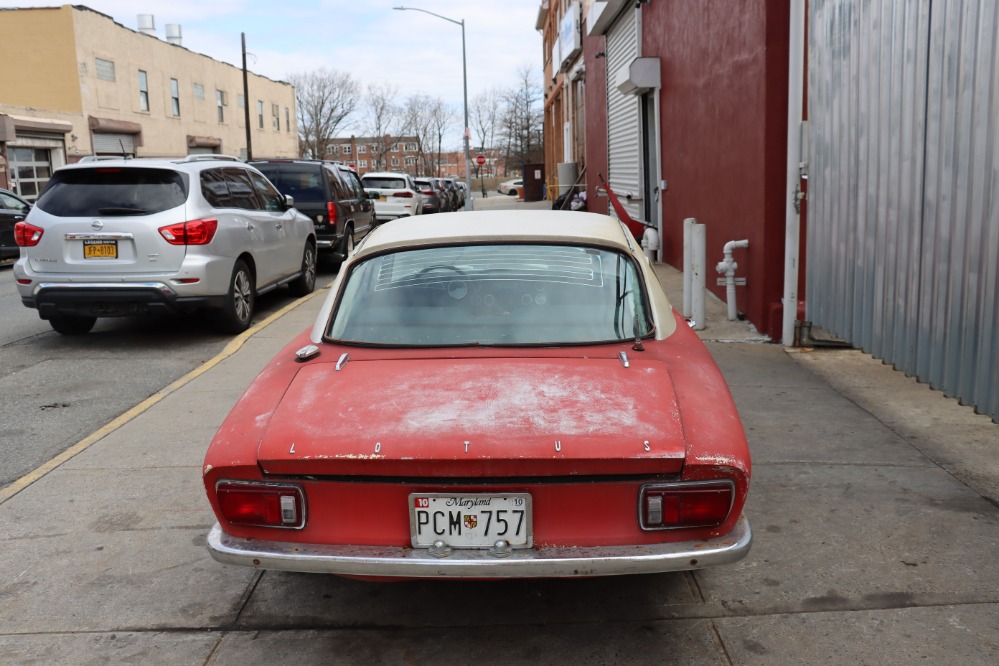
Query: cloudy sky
point(417, 52)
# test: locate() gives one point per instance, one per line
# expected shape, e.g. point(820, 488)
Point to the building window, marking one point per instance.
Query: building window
point(395, 147)
point(346, 149)
point(260, 114)
point(241, 101)
point(331, 149)
point(276, 115)
point(175, 97)
point(220, 101)
point(287, 119)
point(143, 91)
point(198, 90)
point(362, 149)
point(105, 69)
point(410, 161)
point(410, 147)
point(363, 164)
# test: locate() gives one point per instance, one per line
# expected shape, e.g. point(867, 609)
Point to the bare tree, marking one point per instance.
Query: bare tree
point(522, 118)
point(326, 101)
point(485, 117)
point(385, 119)
point(418, 122)
point(442, 117)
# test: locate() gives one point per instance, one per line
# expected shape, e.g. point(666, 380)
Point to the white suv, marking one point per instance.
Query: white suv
point(395, 194)
point(113, 238)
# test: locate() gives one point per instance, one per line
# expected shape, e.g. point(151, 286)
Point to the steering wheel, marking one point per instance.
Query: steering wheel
point(456, 289)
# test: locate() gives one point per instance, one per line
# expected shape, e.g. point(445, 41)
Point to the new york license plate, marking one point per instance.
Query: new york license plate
point(470, 521)
point(100, 249)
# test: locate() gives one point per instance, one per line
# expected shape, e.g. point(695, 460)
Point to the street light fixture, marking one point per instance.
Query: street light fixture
point(464, 74)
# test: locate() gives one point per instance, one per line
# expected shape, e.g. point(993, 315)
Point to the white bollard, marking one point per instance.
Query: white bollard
point(698, 274)
point(688, 224)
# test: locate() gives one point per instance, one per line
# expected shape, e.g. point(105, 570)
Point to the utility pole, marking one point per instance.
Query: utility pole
point(246, 103)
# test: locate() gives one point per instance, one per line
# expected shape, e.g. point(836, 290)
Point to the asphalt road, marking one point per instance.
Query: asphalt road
point(55, 389)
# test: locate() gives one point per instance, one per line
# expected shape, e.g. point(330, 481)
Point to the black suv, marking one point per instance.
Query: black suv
point(330, 194)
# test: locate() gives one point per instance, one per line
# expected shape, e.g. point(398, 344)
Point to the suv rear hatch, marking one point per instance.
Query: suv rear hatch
point(106, 220)
point(304, 183)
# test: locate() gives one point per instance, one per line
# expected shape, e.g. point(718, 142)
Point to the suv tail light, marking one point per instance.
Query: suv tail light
point(192, 232)
point(427, 191)
point(405, 194)
point(667, 506)
point(261, 504)
point(331, 211)
point(27, 235)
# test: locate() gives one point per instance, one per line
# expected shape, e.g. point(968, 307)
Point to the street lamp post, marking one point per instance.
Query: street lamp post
point(464, 75)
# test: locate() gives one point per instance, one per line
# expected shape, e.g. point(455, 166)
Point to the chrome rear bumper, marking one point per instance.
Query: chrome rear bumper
point(527, 563)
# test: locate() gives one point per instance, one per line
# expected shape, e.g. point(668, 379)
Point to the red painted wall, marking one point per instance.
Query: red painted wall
point(723, 124)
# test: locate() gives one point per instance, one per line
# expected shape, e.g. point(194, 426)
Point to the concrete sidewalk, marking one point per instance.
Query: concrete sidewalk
point(874, 506)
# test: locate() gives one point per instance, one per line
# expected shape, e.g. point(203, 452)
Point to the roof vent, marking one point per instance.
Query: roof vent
point(174, 34)
point(147, 24)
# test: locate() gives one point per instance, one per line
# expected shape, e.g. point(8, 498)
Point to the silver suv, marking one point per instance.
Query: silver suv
point(114, 238)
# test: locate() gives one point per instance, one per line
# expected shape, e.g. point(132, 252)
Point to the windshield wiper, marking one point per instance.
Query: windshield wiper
point(121, 210)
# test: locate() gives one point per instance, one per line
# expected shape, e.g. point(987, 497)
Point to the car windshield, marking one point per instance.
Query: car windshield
point(113, 191)
point(385, 183)
point(301, 181)
point(492, 295)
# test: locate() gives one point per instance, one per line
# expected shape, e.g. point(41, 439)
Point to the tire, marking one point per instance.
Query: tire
point(305, 283)
point(72, 324)
point(346, 246)
point(237, 311)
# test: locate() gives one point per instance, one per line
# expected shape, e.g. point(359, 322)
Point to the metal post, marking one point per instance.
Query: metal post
point(699, 274)
point(246, 103)
point(792, 221)
point(688, 230)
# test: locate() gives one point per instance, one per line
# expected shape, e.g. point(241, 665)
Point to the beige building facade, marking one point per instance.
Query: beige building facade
point(100, 88)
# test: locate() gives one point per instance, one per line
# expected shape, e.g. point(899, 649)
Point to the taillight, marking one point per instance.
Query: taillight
point(681, 505)
point(331, 211)
point(261, 504)
point(427, 191)
point(27, 235)
point(192, 232)
point(405, 194)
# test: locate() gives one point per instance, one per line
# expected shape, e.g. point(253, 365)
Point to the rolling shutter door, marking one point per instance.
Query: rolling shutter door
point(624, 153)
point(113, 144)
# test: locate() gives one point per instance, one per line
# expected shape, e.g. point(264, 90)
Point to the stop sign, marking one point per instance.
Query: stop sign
point(480, 159)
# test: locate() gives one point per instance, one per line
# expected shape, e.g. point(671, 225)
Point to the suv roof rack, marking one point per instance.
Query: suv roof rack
point(207, 157)
point(101, 158)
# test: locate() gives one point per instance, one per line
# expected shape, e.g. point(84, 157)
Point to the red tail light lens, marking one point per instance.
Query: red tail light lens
point(331, 211)
point(27, 235)
point(670, 506)
point(192, 232)
point(405, 194)
point(427, 191)
point(261, 504)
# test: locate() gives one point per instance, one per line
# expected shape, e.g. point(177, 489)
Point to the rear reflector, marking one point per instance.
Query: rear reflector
point(260, 504)
point(668, 506)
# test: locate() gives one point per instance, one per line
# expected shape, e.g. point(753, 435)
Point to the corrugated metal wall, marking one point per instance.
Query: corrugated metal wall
point(903, 237)
point(624, 123)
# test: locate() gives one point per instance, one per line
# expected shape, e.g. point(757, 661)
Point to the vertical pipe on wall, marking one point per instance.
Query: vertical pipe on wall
point(792, 231)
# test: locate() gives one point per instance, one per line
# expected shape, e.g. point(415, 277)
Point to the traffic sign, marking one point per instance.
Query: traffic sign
point(480, 159)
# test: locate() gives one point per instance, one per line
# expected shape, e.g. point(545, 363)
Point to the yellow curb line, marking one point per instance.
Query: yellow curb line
point(100, 434)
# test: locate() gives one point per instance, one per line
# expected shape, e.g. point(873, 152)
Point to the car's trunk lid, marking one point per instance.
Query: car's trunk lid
point(494, 417)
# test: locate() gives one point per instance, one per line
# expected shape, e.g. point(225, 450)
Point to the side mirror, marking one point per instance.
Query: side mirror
point(289, 201)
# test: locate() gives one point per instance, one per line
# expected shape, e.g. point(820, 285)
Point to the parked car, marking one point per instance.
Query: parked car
point(493, 395)
point(395, 194)
point(331, 195)
point(433, 197)
point(13, 209)
point(459, 192)
point(450, 200)
point(510, 186)
point(114, 238)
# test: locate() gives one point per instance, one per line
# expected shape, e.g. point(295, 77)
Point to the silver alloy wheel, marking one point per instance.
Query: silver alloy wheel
point(309, 266)
point(242, 292)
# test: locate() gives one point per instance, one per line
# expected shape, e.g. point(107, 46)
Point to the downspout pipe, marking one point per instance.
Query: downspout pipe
point(792, 220)
point(727, 267)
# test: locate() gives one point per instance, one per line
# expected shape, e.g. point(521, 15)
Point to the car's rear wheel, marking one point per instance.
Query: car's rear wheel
point(346, 246)
point(237, 311)
point(305, 283)
point(72, 324)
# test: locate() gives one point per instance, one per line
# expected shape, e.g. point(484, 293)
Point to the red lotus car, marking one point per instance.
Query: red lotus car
point(496, 395)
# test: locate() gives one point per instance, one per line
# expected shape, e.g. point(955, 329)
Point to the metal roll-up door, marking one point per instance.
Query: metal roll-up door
point(624, 153)
point(107, 143)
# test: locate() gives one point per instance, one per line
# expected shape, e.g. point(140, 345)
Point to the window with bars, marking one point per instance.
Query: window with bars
point(105, 69)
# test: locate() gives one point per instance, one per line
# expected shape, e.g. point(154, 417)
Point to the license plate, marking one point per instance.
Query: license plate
point(470, 521)
point(100, 249)
point(382, 198)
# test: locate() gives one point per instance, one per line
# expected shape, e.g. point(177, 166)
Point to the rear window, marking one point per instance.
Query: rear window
point(384, 183)
point(113, 191)
point(497, 295)
point(301, 181)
